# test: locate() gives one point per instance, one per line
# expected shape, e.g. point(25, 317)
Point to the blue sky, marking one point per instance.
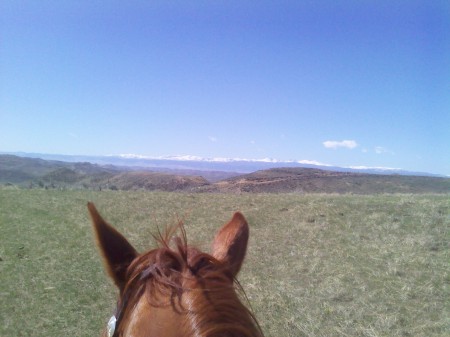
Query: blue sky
point(349, 83)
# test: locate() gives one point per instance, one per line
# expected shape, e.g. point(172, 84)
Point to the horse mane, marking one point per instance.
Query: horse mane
point(195, 283)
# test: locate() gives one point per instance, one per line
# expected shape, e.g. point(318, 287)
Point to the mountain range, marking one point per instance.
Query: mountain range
point(205, 175)
point(225, 165)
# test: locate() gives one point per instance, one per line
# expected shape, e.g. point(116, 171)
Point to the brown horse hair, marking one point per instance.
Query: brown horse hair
point(183, 274)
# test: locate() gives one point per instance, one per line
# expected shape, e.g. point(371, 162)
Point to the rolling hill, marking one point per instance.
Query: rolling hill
point(22, 170)
point(35, 172)
point(305, 180)
point(154, 181)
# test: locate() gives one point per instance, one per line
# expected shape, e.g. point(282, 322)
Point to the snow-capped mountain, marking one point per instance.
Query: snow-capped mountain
point(189, 162)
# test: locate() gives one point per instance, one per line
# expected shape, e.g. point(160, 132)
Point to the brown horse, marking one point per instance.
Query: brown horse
point(177, 290)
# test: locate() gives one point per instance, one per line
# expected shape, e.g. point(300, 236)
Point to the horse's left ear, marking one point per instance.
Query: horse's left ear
point(118, 253)
point(230, 243)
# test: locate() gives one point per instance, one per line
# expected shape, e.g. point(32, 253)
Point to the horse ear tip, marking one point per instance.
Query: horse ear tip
point(92, 210)
point(239, 217)
point(90, 205)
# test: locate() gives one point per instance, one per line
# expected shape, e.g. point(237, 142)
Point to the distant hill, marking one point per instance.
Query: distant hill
point(39, 173)
point(35, 172)
point(304, 180)
point(20, 170)
point(154, 181)
point(220, 167)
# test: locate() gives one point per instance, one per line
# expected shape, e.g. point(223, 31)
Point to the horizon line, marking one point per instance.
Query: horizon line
point(229, 160)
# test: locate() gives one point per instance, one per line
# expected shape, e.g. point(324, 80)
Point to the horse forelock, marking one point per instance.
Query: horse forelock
point(194, 284)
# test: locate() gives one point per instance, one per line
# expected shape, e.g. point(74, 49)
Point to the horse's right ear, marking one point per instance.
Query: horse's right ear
point(230, 243)
point(117, 252)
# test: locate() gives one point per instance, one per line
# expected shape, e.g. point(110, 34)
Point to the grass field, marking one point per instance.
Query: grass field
point(317, 265)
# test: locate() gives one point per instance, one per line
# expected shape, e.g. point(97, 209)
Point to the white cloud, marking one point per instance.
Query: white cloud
point(381, 150)
point(212, 139)
point(334, 144)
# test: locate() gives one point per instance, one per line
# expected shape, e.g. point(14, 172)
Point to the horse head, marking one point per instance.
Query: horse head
point(176, 289)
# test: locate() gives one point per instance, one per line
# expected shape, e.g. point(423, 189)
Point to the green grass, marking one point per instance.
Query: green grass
point(317, 265)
